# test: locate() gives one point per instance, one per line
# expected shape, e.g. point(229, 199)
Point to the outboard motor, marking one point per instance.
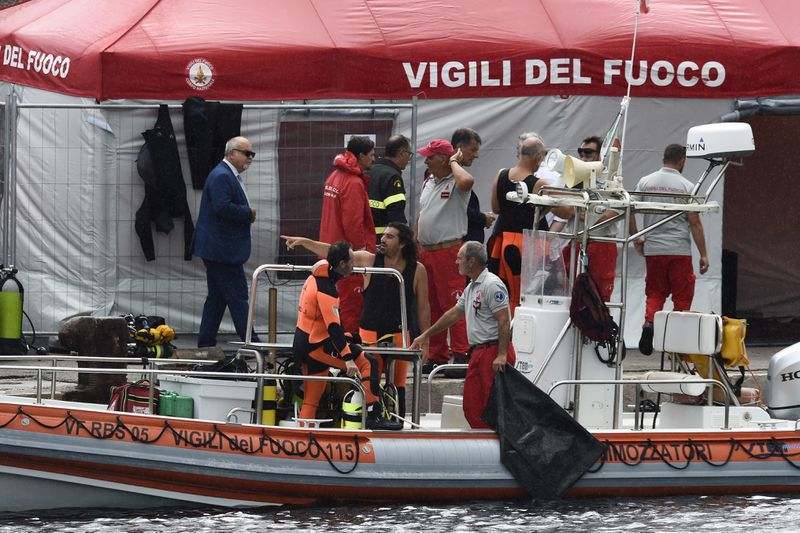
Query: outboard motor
point(783, 397)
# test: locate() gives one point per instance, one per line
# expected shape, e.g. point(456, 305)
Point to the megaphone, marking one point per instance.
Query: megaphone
point(554, 160)
point(577, 171)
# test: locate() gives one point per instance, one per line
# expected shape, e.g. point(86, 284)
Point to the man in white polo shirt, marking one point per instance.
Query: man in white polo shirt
point(441, 225)
point(484, 303)
point(667, 249)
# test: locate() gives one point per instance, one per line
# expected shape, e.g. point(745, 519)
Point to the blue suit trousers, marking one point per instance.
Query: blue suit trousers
point(227, 287)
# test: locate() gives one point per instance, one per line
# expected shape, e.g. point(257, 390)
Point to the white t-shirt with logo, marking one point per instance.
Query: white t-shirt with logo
point(673, 237)
point(442, 211)
point(480, 301)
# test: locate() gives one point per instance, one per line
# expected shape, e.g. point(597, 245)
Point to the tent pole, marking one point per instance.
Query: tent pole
point(10, 181)
point(412, 190)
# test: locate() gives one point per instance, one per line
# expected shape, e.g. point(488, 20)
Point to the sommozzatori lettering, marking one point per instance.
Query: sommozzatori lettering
point(36, 61)
point(562, 71)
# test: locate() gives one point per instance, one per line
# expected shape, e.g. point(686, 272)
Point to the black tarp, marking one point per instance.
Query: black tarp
point(542, 446)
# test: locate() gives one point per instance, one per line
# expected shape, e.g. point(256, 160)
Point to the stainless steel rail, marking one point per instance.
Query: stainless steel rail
point(152, 373)
point(638, 383)
point(441, 368)
point(256, 347)
point(55, 359)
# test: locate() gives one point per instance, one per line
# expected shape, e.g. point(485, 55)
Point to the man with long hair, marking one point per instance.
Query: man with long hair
point(380, 319)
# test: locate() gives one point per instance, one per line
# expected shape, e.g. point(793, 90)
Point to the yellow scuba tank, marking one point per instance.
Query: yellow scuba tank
point(11, 299)
point(352, 407)
point(270, 397)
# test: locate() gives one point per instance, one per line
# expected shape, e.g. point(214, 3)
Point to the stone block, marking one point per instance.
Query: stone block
point(92, 336)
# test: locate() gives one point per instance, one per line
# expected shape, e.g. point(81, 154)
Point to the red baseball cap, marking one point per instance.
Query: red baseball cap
point(437, 147)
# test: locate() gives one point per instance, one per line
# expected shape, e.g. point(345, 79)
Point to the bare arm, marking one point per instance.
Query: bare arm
point(423, 305)
point(696, 227)
point(504, 337)
point(638, 243)
point(495, 200)
point(449, 318)
point(315, 247)
point(464, 179)
point(362, 258)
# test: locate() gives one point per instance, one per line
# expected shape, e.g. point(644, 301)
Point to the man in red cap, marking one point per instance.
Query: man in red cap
point(441, 225)
point(346, 216)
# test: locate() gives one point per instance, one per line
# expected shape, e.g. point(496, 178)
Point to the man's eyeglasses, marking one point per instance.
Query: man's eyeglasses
point(247, 153)
point(586, 152)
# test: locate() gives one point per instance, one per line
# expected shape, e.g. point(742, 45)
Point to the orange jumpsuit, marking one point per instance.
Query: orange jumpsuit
point(319, 340)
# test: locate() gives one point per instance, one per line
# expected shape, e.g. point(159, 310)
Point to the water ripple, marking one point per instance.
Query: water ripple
point(676, 514)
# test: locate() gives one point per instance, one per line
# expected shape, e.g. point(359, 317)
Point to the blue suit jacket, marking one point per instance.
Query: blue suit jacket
point(222, 233)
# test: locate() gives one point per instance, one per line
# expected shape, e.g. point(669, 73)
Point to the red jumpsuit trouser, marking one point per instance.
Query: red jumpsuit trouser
point(478, 383)
point(668, 275)
point(445, 286)
point(602, 265)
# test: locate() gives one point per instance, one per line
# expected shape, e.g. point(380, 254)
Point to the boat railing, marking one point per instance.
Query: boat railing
point(639, 383)
point(438, 369)
point(628, 204)
point(41, 371)
point(59, 358)
point(258, 349)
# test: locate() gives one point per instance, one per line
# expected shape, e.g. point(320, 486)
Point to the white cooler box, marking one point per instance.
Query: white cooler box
point(687, 332)
point(214, 398)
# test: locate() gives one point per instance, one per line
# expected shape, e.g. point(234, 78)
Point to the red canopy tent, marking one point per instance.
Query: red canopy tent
point(310, 49)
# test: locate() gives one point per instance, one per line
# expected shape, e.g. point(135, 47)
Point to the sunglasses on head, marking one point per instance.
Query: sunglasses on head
point(247, 153)
point(583, 152)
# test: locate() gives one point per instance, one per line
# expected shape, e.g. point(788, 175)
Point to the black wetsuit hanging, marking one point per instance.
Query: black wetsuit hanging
point(159, 166)
point(208, 126)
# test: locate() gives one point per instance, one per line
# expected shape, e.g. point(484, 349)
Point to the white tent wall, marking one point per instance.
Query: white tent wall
point(78, 191)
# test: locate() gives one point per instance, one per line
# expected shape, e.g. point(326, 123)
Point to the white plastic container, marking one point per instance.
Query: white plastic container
point(214, 398)
point(453, 412)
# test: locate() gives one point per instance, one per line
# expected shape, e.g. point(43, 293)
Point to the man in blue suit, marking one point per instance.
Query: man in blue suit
point(222, 240)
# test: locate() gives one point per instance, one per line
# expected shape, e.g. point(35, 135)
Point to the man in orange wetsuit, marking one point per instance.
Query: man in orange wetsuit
point(320, 342)
point(380, 319)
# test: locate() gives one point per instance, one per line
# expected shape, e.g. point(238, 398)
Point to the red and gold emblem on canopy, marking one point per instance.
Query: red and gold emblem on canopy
point(199, 74)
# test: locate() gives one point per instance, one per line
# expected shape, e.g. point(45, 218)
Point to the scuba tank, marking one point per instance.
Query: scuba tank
point(352, 405)
point(11, 298)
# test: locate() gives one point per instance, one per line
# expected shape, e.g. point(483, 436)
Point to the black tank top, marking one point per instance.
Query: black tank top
point(381, 311)
point(514, 217)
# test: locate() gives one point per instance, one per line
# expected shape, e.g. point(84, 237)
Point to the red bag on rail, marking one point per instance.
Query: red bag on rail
point(134, 398)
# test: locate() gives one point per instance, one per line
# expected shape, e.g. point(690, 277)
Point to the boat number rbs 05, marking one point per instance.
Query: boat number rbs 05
point(217, 440)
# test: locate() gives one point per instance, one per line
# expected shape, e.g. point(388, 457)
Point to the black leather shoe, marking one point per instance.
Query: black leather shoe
point(646, 340)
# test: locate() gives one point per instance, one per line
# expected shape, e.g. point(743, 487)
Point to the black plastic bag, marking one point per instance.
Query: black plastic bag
point(542, 446)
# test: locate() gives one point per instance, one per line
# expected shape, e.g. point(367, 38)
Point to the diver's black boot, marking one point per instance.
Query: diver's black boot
point(401, 402)
point(646, 340)
point(375, 420)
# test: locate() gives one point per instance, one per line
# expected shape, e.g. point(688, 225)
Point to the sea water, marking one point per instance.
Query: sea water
point(669, 514)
